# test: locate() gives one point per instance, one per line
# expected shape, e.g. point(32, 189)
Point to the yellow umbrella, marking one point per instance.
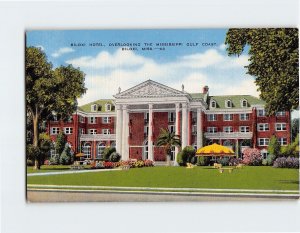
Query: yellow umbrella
point(215, 150)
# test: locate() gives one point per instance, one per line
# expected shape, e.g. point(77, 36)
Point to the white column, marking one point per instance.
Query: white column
point(184, 125)
point(237, 148)
point(119, 129)
point(150, 133)
point(176, 131)
point(199, 129)
point(125, 134)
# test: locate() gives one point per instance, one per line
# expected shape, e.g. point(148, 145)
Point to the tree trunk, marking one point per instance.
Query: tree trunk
point(36, 139)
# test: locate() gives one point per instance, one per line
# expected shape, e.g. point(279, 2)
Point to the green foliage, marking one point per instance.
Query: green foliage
point(65, 157)
point(274, 146)
point(188, 153)
point(202, 161)
point(295, 128)
point(60, 143)
point(107, 152)
point(264, 162)
point(33, 153)
point(114, 157)
point(45, 144)
point(180, 160)
point(292, 149)
point(49, 90)
point(167, 140)
point(274, 62)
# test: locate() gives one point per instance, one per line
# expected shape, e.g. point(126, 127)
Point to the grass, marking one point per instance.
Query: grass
point(51, 168)
point(180, 177)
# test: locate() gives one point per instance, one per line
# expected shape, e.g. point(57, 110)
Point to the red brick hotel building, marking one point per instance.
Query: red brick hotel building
point(131, 122)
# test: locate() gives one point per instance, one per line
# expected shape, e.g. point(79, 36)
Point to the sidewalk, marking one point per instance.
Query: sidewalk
point(71, 172)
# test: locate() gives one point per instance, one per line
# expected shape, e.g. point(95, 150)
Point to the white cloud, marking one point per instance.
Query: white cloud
point(224, 75)
point(40, 47)
point(62, 51)
point(222, 47)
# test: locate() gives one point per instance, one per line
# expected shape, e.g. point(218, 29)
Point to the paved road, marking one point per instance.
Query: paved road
point(70, 196)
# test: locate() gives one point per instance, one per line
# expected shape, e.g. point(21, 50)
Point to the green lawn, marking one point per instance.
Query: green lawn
point(51, 168)
point(181, 177)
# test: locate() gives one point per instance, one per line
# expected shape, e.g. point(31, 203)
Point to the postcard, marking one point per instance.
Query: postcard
point(162, 114)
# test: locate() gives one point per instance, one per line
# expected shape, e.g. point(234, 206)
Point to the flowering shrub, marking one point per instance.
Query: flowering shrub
point(289, 162)
point(47, 162)
point(224, 161)
point(234, 161)
point(252, 157)
point(131, 163)
point(108, 164)
point(148, 163)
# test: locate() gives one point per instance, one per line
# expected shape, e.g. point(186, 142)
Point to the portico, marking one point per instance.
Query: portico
point(138, 109)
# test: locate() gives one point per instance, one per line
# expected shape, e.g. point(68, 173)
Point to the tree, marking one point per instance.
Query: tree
point(167, 140)
point(274, 62)
point(295, 128)
point(60, 146)
point(273, 150)
point(49, 90)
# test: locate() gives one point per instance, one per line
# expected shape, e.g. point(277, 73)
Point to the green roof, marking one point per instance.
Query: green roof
point(100, 103)
point(196, 95)
point(236, 100)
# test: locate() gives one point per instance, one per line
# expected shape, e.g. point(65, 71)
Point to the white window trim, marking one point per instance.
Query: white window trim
point(263, 112)
point(226, 104)
point(94, 108)
point(106, 131)
point(230, 118)
point(227, 127)
point(212, 129)
point(170, 118)
point(214, 117)
point(242, 103)
point(107, 121)
point(245, 126)
point(281, 141)
point(264, 127)
point(92, 130)
point(90, 120)
point(81, 119)
point(68, 130)
point(264, 140)
point(247, 118)
point(106, 108)
point(281, 127)
point(211, 104)
point(57, 129)
point(281, 113)
point(170, 128)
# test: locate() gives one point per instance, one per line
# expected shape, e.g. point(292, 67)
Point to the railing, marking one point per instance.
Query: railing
point(97, 137)
point(247, 135)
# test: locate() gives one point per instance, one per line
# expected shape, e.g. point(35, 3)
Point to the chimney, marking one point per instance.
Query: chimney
point(205, 90)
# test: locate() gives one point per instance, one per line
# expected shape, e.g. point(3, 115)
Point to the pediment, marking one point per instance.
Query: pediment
point(148, 89)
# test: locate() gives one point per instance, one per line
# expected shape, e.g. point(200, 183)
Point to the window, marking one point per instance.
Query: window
point(263, 141)
point(106, 120)
point(244, 129)
point(228, 129)
point(263, 127)
point(171, 128)
point(54, 117)
point(211, 117)
point(227, 117)
point(194, 129)
point(94, 108)
point(261, 112)
point(100, 149)
point(92, 120)
point(282, 141)
point(92, 131)
point(68, 130)
point(213, 104)
point(171, 116)
point(146, 130)
point(244, 104)
point(108, 107)
point(81, 119)
point(86, 149)
point(54, 130)
point(81, 131)
point(106, 131)
point(146, 117)
point(212, 129)
point(244, 116)
point(280, 126)
point(264, 153)
point(228, 104)
point(281, 113)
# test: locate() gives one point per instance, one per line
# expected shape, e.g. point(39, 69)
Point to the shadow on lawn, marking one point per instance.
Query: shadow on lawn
point(289, 181)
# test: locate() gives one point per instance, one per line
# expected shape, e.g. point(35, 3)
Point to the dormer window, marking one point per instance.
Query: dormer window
point(244, 103)
point(94, 108)
point(213, 104)
point(108, 107)
point(228, 104)
point(99, 108)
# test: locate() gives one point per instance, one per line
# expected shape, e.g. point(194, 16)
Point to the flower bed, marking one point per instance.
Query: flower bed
point(289, 162)
point(130, 163)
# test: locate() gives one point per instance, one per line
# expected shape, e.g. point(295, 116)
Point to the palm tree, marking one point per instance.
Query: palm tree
point(168, 139)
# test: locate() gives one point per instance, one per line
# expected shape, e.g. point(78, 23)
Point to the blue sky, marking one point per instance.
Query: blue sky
point(108, 67)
